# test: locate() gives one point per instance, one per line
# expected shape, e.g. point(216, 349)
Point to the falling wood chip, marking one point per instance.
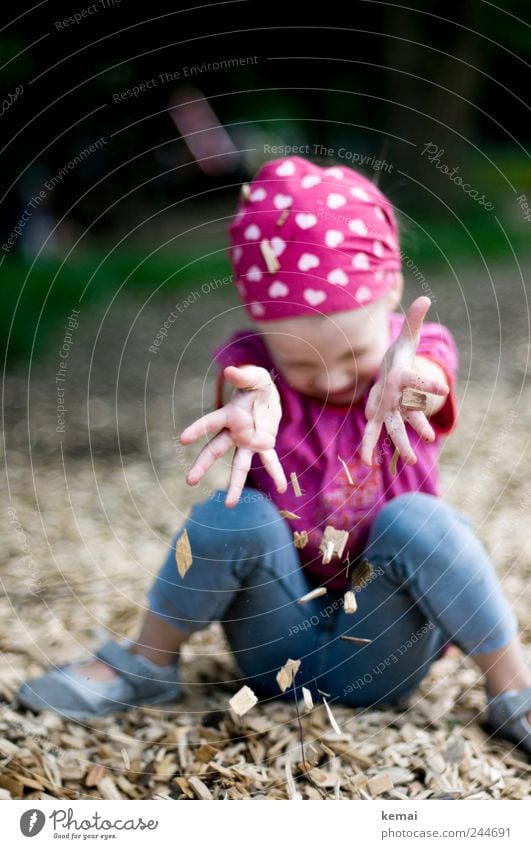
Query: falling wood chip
point(361, 640)
point(183, 554)
point(346, 468)
point(270, 259)
point(295, 484)
point(287, 514)
point(287, 673)
point(333, 543)
point(394, 461)
point(331, 717)
point(308, 701)
point(300, 539)
point(282, 217)
point(316, 593)
point(413, 400)
point(243, 700)
point(380, 784)
point(349, 602)
point(361, 574)
point(245, 191)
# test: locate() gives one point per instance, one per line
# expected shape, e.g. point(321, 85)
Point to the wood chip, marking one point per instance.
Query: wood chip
point(349, 602)
point(205, 753)
point(361, 640)
point(308, 701)
point(295, 484)
point(243, 700)
point(183, 554)
point(108, 789)
point(380, 784)
point(270, 259)
point(333, 543)
point(199, 788)
point(287, 514)
point(293, 793)
point(245, 191)
point(95, 775)
point(300, 539)
point(331, 717)
point(394, 461)
point(362, 574)
point(316, 593)
point(347, 471)
point(282, 217)
point(411, 399)
point(287, 673)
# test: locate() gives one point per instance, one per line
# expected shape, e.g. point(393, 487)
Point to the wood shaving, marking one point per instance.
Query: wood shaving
point(287, 514)
point(295, 484)
point(270, 259)
point(282, 217)
point(333, 543)
point(347, 471)
point(243, 700)
point(183, 554)
point(316, 593)
point(245, 191)
point(360, 640)
point(308, 701)
point(349, 602)
point(300, 539)
point(411, 399)
point(394, 461)
point(361, 574)
point(331, 717)
point(287, 673)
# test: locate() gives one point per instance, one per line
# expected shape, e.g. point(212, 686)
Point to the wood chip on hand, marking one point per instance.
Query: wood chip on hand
point(411, 399)
point(183, 554)
point(287, 673)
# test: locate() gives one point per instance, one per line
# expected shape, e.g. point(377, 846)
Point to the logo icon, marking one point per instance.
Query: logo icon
point(32, 822)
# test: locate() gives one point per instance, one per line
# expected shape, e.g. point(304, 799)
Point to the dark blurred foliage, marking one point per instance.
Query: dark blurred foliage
point(370, 75)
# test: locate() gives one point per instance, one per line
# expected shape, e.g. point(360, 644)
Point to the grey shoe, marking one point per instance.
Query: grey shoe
point(71, 694)
point(507, 717)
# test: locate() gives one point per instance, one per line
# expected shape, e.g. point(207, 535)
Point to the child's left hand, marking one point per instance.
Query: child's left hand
point(398, 373)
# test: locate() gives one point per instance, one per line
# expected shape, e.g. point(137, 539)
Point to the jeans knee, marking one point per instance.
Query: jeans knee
point(253, 511)
point(412, 516)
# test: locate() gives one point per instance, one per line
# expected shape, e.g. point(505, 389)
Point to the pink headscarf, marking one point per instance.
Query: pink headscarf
point(309, 240)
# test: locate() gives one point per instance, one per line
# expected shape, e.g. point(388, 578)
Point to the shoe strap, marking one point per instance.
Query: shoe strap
point(139, 673)
point(515, 705)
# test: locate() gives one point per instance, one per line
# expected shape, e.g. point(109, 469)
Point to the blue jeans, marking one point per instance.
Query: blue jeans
point(432, 583)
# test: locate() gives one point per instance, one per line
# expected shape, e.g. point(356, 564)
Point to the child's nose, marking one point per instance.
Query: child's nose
point(338, 381)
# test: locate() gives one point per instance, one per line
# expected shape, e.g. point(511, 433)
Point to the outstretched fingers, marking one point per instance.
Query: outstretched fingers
point(241, 463)
point(370, 438)
point(273, 467)
point(396, 429)
point(212, 451)
point(420, 423)
point(214, 421)
point(414, 318)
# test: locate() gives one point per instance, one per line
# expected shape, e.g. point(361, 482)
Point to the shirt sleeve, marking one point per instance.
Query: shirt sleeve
point(438, 345)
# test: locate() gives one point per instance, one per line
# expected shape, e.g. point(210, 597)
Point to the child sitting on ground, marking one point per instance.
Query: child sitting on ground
point(317, 390)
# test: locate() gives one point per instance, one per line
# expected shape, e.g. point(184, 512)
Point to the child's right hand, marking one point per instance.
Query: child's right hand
point(248, 422)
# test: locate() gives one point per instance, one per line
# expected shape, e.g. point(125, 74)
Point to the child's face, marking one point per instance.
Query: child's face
point(332, 357)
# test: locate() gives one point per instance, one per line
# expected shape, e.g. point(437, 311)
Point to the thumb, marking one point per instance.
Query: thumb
point(247, 377)
point(414, 318)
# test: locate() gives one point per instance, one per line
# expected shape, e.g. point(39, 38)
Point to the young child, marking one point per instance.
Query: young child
point(316, 391)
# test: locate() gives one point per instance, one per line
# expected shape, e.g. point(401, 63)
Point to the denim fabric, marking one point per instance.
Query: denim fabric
point(432, 582)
